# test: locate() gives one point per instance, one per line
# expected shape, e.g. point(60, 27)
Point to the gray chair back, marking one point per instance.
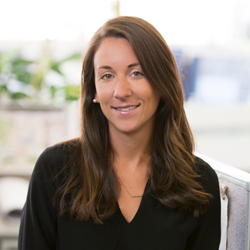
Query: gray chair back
point(238, 194)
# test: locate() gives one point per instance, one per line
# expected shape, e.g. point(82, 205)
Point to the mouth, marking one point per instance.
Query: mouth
point(127, 108)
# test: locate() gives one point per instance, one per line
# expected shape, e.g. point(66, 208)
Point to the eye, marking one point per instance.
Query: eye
point(137, 73)
point(106, 76)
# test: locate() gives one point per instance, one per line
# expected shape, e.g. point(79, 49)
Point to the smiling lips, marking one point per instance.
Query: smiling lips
point(127, 108)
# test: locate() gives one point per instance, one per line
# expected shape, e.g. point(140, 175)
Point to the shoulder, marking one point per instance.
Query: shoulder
point(60, 150)
point(204, 169)
point(208, 176)
point(54, 158)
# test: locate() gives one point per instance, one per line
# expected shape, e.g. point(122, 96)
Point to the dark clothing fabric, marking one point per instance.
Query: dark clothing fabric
point(154, 227)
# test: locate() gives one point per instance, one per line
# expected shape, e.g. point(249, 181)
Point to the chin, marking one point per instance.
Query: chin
point(128, 130)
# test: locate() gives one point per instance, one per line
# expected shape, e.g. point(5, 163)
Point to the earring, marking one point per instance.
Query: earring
point(94, 100)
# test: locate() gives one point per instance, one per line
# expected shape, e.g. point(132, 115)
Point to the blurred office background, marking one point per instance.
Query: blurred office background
point(42, 44)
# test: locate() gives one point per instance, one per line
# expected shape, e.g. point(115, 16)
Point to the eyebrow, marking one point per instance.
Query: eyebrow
point(108, 67)
point(133, 65)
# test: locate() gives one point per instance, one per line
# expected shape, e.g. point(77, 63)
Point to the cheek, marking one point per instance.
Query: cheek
point(97, 98)
point(98, 95)
point(102, 95)
point(149, 94)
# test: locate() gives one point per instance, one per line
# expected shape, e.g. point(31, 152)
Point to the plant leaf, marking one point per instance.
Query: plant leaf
point(18, 95)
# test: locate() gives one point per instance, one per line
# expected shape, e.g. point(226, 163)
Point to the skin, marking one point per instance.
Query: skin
point(129, 103)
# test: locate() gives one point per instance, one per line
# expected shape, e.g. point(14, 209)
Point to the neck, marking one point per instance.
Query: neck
point(131, 151)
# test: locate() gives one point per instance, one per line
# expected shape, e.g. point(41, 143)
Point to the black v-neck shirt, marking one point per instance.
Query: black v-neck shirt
point(154, 226)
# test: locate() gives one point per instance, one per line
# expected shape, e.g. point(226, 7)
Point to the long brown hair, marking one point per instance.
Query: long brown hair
point(174, 180)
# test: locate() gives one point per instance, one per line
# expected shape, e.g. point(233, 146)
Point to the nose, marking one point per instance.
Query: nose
point(122, 88)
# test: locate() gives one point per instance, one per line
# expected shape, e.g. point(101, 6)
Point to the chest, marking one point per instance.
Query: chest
point(153, 227)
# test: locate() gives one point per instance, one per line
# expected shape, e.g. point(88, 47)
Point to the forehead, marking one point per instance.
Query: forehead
point(114, 50)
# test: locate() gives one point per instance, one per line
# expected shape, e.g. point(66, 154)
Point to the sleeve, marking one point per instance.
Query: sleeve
point(206, 235)
point(39, 216)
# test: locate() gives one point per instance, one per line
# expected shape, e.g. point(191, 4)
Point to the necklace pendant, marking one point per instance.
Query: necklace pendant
point(136, 196)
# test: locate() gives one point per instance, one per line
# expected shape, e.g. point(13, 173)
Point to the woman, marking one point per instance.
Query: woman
point(131, 181)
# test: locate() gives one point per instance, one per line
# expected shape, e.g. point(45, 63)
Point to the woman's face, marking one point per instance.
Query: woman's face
point(126, 97)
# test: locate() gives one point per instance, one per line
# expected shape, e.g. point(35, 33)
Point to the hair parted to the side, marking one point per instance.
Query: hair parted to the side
point(173, 180)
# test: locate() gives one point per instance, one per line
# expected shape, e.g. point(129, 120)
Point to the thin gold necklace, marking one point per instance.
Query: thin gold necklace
point(132, 196)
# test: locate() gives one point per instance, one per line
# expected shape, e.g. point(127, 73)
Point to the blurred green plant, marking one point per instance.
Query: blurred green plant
point(26, 79)
point(72, 92)
point(5, 126)
point(13, 67)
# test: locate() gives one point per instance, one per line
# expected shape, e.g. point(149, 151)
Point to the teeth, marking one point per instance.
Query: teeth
point(127, 109)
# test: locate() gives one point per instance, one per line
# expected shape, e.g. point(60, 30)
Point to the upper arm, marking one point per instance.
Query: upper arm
point(206, 235)
point(39, 216)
